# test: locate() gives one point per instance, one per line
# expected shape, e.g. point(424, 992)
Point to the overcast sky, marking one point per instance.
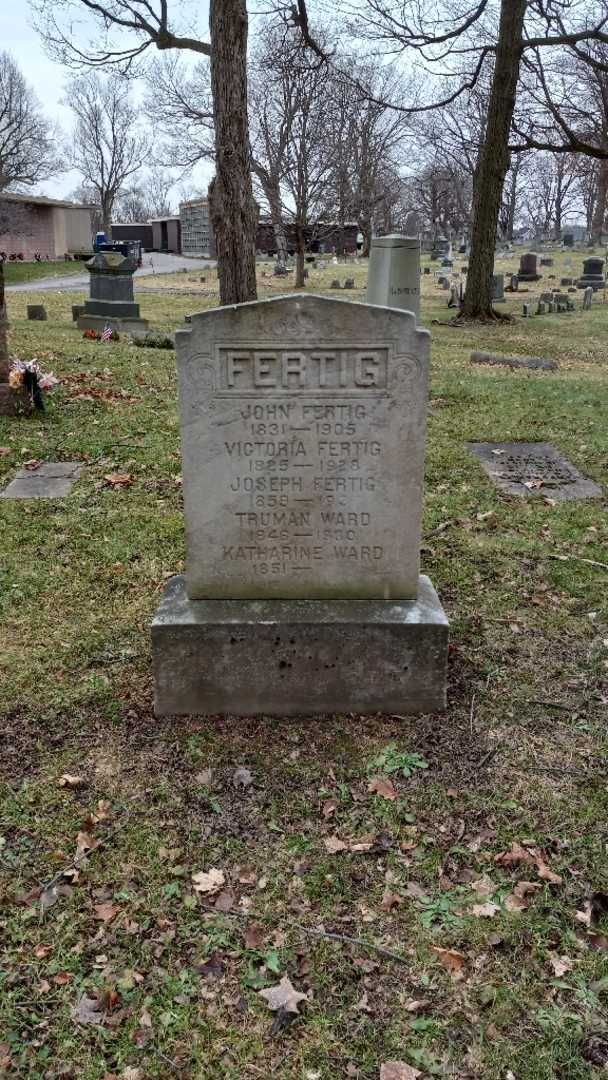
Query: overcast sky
point(47, 78)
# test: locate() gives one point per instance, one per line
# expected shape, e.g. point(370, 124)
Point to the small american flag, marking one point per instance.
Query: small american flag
point(106, 333)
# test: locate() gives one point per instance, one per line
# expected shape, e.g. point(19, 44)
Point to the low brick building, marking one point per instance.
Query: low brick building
point(34, 225)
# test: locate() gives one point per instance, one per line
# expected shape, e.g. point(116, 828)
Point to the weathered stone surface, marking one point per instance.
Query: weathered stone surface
point(533, 469)
point(53, 480)
point(77, 310)
point(534, 363)
point(498, 288)
point(394, 272)
point(135, 327)
point(298, 657)
point(303, 431)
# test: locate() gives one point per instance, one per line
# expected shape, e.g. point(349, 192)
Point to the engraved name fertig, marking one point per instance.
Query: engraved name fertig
point(304, 369)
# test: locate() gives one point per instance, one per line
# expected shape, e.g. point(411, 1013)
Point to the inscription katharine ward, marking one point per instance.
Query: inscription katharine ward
point(303, 431)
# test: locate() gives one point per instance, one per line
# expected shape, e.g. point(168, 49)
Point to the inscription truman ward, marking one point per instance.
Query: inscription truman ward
point(302, 461)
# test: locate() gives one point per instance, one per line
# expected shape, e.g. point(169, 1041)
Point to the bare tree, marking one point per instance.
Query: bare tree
point(458, 44)
point(106, 147)
point(127, 29)
point(27, 140)
point(149, 198)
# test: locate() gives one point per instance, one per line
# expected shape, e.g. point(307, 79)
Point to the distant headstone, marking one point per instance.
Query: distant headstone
point(587, 298)
point(349, 283)
point(335, 284)
point(498, 288)
point(546, 261)
point(454, 299)
point(542, 307)
point(394, 272)
point(566, 281)
point(568, 240)
point(111, 301)
point(427, 270)
point(280, 270)
point(593, 274)
point(514, 283)
point(303, 545)
point(533, 469)
point(527, 267)
point(77, 310)
point(36, 312)
point(526, 310)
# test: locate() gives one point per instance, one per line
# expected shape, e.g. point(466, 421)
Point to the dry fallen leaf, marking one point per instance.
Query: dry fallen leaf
point(382, 786)
point(88, 1011)
point(284, 996)
point(398, 1070)
point(204, 777)
point(254, 936)
point(69, 781)
point(485, 911)
point(106, 912)
point(451, 959)
point(483, 886)
point(209, 882)
point(560, 964)
point(118, 479)
point(85, 843)
point(390, 900)
point(531, 856)
point(519, 899)
point(242, 777)
point(329, 806)
point(225, 901)
point(333, 844)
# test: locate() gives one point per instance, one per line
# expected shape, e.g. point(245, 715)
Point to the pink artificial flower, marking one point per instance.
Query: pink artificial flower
point(47, 381)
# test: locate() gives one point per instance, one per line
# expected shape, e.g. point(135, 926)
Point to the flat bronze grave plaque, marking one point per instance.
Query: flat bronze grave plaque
point(533, 469)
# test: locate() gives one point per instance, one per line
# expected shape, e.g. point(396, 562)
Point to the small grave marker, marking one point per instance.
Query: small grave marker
point(53, 480)
point(533, 469)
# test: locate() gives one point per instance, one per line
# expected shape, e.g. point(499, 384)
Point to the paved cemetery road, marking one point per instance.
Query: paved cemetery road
point(154, 263)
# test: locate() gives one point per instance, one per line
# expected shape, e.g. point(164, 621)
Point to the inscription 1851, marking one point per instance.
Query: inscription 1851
point(317, 494)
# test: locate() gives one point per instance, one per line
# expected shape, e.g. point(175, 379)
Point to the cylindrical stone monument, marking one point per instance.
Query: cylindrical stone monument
point(394, 273)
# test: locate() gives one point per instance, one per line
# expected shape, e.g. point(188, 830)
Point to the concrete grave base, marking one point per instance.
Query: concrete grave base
point(135, 327)
point(299, 657)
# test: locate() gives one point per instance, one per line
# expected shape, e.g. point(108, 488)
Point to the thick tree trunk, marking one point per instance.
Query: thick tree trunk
point(601, 199)
point(493, 161)
point(3, 330)
point(278, 225)
point(233, 211)
point(300, 252)
point(365, 227)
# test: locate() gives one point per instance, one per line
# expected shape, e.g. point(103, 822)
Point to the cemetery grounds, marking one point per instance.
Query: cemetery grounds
point(156, 875)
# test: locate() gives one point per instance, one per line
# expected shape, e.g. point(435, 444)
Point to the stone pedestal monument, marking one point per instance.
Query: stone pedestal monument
point(593, 274)
point(394, 272)
point(111, 301)
point(303, 423)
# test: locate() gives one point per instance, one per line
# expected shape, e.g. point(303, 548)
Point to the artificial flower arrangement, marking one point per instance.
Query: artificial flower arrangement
point(28, 375)
point(108, 334)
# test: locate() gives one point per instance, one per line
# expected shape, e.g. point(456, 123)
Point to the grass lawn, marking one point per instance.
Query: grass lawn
point(500, 965)
point(16, 273)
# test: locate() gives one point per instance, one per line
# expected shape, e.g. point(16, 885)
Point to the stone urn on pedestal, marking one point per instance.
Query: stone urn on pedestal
point(111, 302)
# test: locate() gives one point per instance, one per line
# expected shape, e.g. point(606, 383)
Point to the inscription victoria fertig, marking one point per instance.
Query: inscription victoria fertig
point(303, 430)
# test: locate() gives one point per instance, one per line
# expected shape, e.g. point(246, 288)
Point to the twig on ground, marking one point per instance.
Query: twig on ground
point(551, 704)
point(325, 934)
point(78, 860)
point(472, 713)
point(488, 757)
point(578, 558)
